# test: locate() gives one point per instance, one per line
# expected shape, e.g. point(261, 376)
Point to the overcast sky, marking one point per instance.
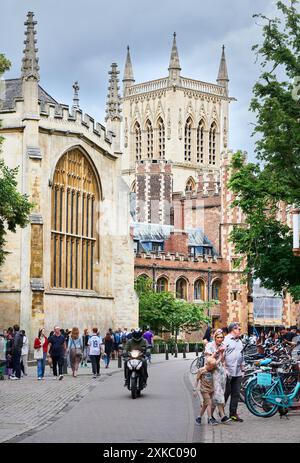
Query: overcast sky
point(78, 40)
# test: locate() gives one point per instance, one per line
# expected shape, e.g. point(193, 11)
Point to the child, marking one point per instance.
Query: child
point(205, 378)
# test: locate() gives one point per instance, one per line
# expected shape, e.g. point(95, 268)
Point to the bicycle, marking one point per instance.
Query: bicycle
point(197, 363)
point(265, 395)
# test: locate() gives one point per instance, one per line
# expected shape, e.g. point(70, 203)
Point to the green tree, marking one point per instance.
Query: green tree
point(263, 190)
point(14, 207)
point(163, 312)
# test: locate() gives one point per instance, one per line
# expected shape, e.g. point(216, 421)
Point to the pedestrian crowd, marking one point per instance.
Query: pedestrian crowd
point(222, 374)
point(61, 348)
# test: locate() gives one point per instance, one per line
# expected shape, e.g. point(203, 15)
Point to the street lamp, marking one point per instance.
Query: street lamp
point(296, 231)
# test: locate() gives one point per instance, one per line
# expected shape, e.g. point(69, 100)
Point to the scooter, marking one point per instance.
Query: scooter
point(135, 381)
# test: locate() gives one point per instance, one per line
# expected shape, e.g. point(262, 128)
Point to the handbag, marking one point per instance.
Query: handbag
point(78, 351)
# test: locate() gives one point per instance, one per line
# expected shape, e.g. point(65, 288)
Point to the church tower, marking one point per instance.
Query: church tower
point(174, 130)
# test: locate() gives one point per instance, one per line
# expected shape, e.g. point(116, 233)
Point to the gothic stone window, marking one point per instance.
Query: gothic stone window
point(162, 285)
point(212, 144)
point(138, 141)
point(161, 138)
point(199, 290)
point(215, 291)
point(74, 240)
point(188, 140)
point(190, 186)
point(181, 289)
point(149, 129)
point(200, 142)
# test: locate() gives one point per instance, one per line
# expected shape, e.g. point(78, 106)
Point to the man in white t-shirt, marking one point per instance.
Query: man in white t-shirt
point(95, 343)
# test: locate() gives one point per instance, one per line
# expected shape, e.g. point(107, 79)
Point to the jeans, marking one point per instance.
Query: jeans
point(17, 363)
point(60, 361)
point(24, 366)
point(233, 386)
point(95, 359)
point(40, 372)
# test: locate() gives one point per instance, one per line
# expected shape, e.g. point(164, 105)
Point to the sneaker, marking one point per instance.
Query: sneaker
point(94, 376)
point(198, 420)
point(39, 379)
point(225, 419)
point(14, 377)
point(212, 421)
point(98, 374)
point(60, 377)
point(54, 377)
point(236, 418)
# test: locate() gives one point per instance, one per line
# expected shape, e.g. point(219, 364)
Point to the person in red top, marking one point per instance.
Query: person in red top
point(40, 352)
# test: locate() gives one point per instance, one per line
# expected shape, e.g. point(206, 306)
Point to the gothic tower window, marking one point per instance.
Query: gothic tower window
point(212, 144)
point(199, 290)
point(200, 142)
point(161, 138)
point(188, 140)
point(138, 141)
point(149, 129)
point(74, 240)
point(190, 186)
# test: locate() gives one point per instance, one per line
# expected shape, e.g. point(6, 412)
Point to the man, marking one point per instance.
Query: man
point(137, 342)
point(57, 349)
point(16, 352)
point(234, 366)
point(148, 335)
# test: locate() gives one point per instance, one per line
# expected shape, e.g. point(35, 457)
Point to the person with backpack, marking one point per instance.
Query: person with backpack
point(17, 352)
point(108, 348)
point(117, 342)
point(75, 350)
point(95, 343)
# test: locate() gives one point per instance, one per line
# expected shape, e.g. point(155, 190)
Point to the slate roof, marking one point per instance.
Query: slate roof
point(12, 89)
point(158, 233)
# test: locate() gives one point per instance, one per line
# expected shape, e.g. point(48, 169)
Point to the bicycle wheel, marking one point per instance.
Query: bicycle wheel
point(255, 402)
point(197, 363)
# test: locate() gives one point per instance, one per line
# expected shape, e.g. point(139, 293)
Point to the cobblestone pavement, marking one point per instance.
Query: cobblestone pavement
point(29, 403)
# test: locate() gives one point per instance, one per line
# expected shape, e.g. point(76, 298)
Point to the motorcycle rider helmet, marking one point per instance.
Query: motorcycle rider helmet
point(137, 334)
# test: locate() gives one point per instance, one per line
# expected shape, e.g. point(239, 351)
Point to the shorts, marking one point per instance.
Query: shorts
point(207, 398)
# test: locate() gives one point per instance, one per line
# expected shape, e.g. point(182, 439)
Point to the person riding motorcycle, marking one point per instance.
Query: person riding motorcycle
point(137, 342)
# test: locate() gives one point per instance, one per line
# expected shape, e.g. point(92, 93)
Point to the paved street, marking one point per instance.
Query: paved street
point(95, 410)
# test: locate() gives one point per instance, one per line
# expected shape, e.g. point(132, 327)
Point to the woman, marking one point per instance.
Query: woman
point(216, 349)
point(108, 348)
point(40, 353)
point(75, 349)
point(24, 354)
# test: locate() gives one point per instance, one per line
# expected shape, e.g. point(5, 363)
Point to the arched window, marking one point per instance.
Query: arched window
point(215, 290)
point(75, 198)
point(212, 144)
point(181, 289)
point(199, 290)
point(190, 186)
point(162, 285)
point(161, 138)
point(138, 141)
point(188, 140)
point(200, 142)
point(149, 139)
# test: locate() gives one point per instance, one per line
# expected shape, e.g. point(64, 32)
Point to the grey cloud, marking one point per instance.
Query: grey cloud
point(79, 40)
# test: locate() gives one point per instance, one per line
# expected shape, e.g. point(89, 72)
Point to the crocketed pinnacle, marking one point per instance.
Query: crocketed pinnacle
point(128, 72)
point(174, 59)
point(76, 97)
point(30, 67)
point(113, 109)
point(223, 74)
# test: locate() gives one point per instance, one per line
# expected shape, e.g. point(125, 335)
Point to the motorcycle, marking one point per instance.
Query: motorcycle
point(135, 380)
